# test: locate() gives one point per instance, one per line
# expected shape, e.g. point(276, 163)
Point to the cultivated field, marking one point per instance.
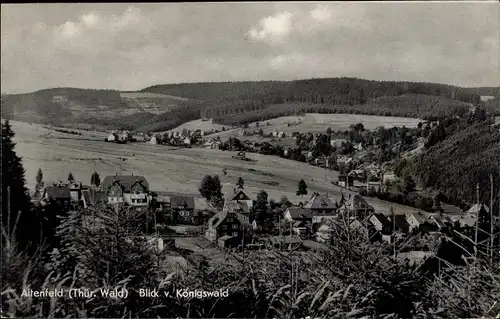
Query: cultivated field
point(319, 123)
point(152, 102)
point(167, 168)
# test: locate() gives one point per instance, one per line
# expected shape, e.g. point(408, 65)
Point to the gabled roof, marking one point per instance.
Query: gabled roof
point(299, 213)
point(218, 218)
point(186, 202)
point(441, 220)
point(356, 224)
point(450, 209)
point(58, 192)
point(320, 201)
point(240, 194)
point(419, 217)
point(126, 182)
point(381, 219)
point(357, 202)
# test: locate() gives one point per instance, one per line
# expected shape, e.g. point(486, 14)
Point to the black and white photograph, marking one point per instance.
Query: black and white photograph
point(309, 160)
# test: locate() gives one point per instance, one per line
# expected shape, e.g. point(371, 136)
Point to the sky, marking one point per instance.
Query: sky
point(132, 46)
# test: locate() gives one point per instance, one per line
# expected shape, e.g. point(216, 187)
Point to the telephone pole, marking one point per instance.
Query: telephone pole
point(8, 213)
point(491, 219)
point(477, 220)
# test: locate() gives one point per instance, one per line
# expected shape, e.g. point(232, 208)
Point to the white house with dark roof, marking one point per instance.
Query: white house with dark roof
point(129, 190)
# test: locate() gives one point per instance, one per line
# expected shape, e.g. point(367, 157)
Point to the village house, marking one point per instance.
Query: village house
point(399, 223)
point(227, 223)
point(337, 142)
point(58, 194)
point(112, 137)
point(388, 177)
point(323, 233)
point(139, 137)
point(346, 181)
point(356, 206)
point(358, 175)
point(213, 144)
point(416, 220)
point(239, 199)
point(301, 220)
point(319, 219)
point(153, 140)
point(124, 136)
point(183, 206)
point(320, 204)
point(381, 223)
point(128, 190)
point(294, 214)
point(441, 221)
point(75, 189)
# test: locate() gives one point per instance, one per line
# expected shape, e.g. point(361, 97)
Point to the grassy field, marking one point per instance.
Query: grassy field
point(205, 126)
point(167, 168)
point(319, 123)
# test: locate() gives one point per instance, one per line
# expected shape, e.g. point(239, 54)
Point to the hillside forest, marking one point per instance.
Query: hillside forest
point(237, 103)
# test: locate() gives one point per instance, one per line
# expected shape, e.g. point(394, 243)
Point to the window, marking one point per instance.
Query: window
point(229, 219)
point(224, 227)
point(235, 226)
point(235, 234)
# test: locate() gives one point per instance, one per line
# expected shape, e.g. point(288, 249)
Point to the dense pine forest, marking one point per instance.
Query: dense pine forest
point(408, 105)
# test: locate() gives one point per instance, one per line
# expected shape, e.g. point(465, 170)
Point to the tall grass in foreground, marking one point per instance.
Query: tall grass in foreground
point(354, 279)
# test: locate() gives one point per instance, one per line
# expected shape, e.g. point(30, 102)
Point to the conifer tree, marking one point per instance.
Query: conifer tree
point(39, 181)
point(302, 188)
point(15, 201)
point(95, 179)
point(240, 183)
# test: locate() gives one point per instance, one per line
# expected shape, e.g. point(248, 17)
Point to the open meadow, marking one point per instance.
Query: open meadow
point(166, 168)
point(199, 124)
point(319, 123)
point(152, 102)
